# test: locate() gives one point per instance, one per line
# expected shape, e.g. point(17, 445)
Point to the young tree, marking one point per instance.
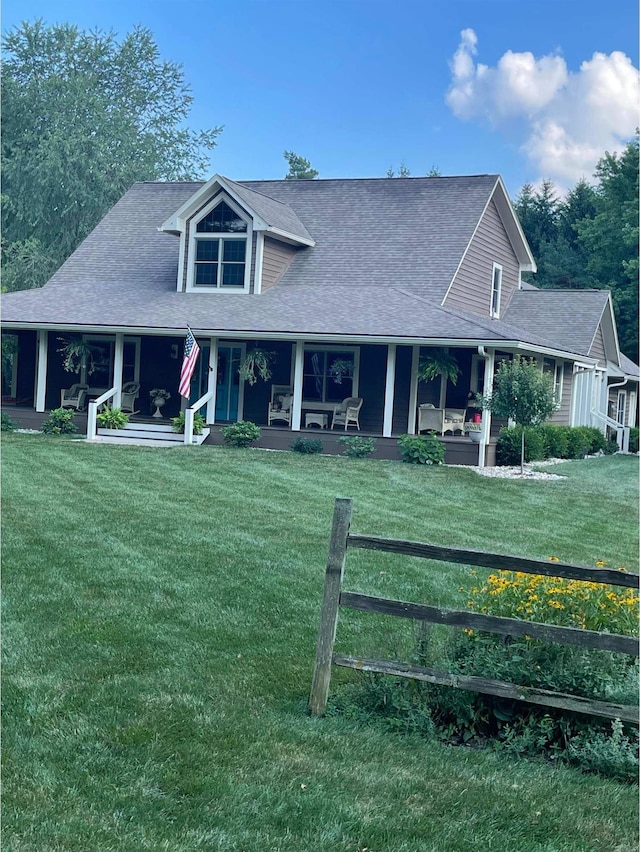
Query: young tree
point(521, 392)
point(402, 172)
point(84, 116)
point(299, 167)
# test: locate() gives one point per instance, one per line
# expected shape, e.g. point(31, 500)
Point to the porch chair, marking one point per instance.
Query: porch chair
point(347, 412)
point(440, 420)
point(74, 396)
point(129, 395)
point(280, 405)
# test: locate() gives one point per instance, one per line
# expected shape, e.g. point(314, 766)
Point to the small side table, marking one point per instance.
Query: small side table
point(316, 418)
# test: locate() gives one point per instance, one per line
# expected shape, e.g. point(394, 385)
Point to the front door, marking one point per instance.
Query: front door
point(228, 383)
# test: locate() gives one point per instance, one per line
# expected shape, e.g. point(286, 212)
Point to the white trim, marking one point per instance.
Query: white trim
point(485, 432)
point(195, 237)
point(257, 278)
point(212, 382)
point(413, 390)
point(621, 397)
point(495, 311)
point(298, 373)
point(389, 391)
point(287, 237)
point(118, 365)
point(181, 282)
point(41, 371)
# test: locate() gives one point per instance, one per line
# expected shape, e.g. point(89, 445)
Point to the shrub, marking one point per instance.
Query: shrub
point(578, 442)
point(112, 418)
point(6, 423)
point(308, 446)
point(611, 448)
point(596, 439)
point(421, 449)
point(356, 447)
point(240, 434)
point(555, 439)
point(60, 422)
point(634, 432)
point(177, 423)
point(509, 447)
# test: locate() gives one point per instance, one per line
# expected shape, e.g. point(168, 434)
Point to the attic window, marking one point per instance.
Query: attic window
point(220, 250)
point(496, 290)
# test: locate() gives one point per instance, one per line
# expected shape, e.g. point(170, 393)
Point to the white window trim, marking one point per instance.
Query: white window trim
point(355, 379)
point(194, 237)
point(621, 397)
point(495, 312)
point(557, 376)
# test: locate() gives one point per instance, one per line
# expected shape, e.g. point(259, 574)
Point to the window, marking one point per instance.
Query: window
point(621, 408)
point(328, 375)
point(555, 369)
point(496, 290)
point(220, 250)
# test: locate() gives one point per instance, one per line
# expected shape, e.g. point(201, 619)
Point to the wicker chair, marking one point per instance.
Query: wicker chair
point(347, 412)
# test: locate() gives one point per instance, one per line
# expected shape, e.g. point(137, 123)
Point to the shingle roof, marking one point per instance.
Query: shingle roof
point(570, 316)
point(275, 213)
point(385, 253)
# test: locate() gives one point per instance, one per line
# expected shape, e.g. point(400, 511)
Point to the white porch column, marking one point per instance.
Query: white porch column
point(298, 367)
point(489, 366)
point(389, 390)
point(118, 363)
point(413, 390)
point(41, 370)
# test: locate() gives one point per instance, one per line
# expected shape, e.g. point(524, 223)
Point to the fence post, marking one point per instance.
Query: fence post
point(330, 602)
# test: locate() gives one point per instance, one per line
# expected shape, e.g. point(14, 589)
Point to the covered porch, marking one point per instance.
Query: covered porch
point(320, 375)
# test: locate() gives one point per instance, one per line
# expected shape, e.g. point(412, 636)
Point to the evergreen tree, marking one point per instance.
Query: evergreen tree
point(299, 167)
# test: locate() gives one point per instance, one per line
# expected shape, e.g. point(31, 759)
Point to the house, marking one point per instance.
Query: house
point(347, 285)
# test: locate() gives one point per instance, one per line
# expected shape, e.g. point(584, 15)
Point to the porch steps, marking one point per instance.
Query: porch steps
point(147, 435)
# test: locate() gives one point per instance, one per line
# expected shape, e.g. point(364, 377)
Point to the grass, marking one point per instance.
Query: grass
point(159, 628)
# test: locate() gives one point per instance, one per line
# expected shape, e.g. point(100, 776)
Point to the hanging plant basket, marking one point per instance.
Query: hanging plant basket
point(339, 368)
point(256, 365)
point(439, 362)
point(76, 352)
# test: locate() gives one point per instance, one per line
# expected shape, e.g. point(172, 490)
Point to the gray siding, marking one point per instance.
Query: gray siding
point(471, 288)
point(597, 347)
point(275, 261)
point(561, 416)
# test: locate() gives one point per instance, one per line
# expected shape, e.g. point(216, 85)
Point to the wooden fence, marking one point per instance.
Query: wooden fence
point(334, 597)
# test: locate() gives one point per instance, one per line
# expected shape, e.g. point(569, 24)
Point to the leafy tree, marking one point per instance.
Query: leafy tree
point(299, 167)
point(84, 116)
point(610, 239)
point(521, 392)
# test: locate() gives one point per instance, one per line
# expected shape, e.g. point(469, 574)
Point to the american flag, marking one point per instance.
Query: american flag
point(191, 352)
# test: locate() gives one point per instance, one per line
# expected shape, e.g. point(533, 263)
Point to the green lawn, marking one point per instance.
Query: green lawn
point(159, 629)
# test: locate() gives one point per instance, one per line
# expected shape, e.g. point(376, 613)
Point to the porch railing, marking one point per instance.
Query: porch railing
point(190, 411)
point(622, 432)
point(92, 412)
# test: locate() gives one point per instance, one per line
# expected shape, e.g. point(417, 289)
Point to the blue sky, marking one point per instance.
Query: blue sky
point(525, 89)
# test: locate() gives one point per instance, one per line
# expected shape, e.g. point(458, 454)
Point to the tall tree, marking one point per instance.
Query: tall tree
point(610, 239)
point(299, 167)
point(84, 116)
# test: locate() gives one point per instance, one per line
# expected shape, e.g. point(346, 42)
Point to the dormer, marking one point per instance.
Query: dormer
point(222, 230)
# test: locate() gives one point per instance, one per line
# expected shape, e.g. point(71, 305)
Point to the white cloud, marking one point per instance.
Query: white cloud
point(568, 119)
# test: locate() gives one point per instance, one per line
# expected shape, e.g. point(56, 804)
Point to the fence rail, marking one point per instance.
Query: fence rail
point(334, 598)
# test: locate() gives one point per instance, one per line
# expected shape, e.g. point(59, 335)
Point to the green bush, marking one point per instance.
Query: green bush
point(6, 423)
point(508, 449)
point(60, 422)
point(240, 434)
point(634, 432)
point(177, 423)
point(555, 439)
point(611, 448)
point(578, 442)
point(356, 447)
point(112, 418)
point(597, 441)
point(421, 449)
point(308, 446)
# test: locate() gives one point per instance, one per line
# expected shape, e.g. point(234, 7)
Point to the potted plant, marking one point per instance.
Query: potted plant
point(158, 397)
point(474, 431)
point(178, 423)
point(256, 364)
point(75, 352)
point(112, 418)
point(339, 368)
point(439, 362)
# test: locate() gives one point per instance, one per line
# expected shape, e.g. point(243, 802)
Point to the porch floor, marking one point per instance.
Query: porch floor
point(459, 448)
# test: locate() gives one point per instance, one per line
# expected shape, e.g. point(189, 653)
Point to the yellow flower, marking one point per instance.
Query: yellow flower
point(553, 559)
point(600, 563)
